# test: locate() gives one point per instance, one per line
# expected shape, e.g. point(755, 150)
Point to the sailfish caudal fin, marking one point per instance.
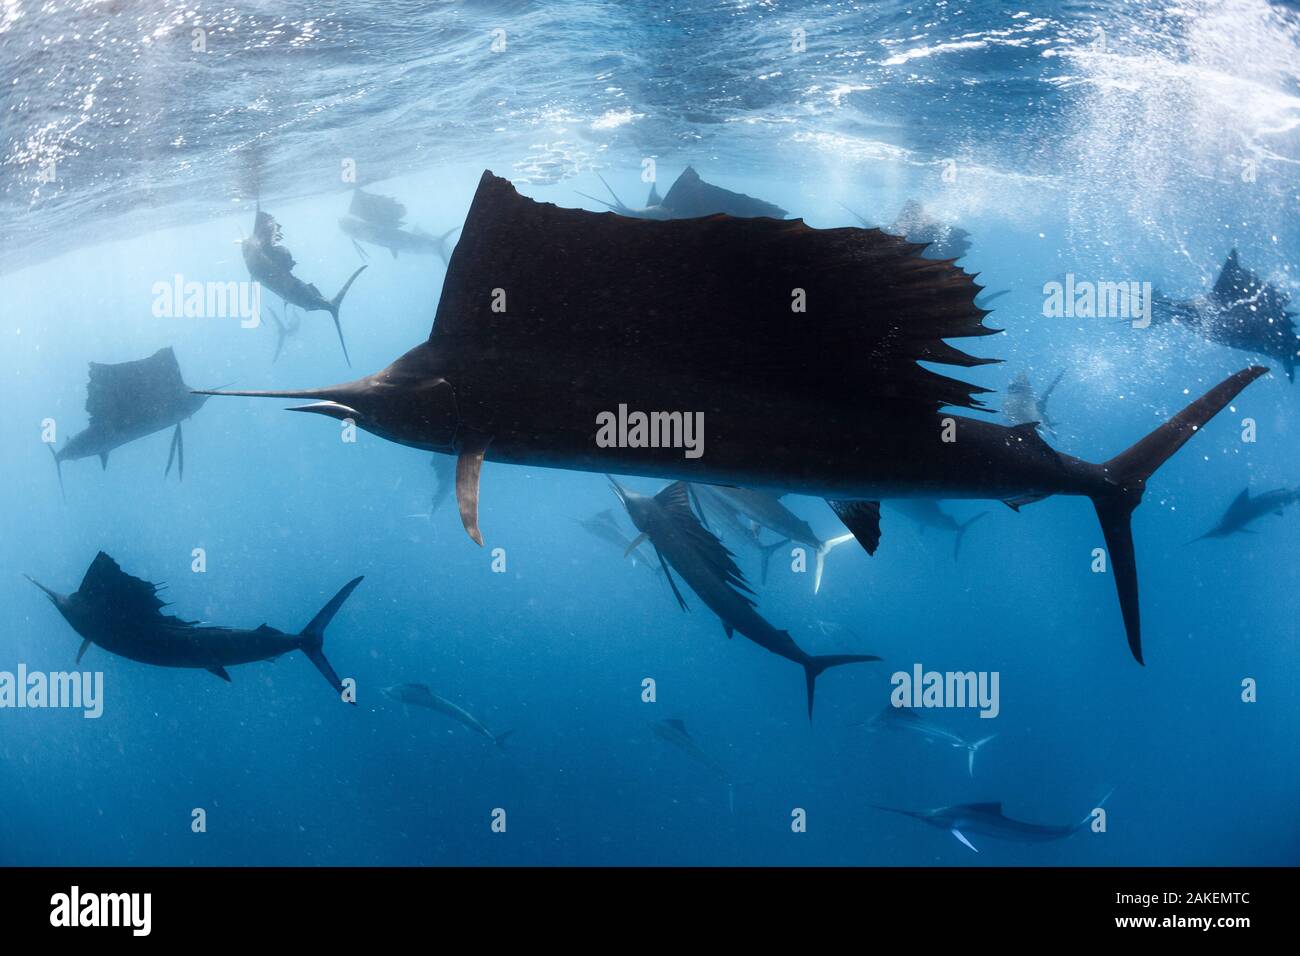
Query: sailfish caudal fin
point(1128, 473)
point(313, 635)
point(813, 667)
point(334, 311)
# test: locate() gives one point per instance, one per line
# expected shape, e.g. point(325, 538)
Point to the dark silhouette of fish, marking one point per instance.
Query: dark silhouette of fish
point(379, 220)
point(690, 197)
point(927, 514)
point(1246, 509)
point(906, 720)
point(552, 317)
point(121, 614)
point(130, 400)
point(685, 545)
point(271, 264)
point(419, 695)
point(987, 819)
point(1242, 311)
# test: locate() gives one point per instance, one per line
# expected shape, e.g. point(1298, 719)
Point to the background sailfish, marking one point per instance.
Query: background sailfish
point(130, 400)
point(122, 614)
point(682, 543)
point(837, 405)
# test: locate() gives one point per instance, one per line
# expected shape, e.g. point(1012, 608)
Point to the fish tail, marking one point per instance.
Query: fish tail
point(824, 550)
point(500, 739)
point(769, 550)
point(961, 531)
point(313, 635)
point(334, 310)
point(1127, 474)
point(972, 750)
point(813, 666)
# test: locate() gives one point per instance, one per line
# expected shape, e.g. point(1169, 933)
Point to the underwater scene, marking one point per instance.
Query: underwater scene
point(620, 434)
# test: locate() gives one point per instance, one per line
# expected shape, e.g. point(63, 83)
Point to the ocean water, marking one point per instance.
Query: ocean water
point(1122, 141)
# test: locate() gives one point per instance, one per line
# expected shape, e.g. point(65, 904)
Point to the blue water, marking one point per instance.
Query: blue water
point(1114, 154)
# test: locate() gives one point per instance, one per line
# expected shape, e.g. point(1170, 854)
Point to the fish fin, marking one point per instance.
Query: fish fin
point(313, 635)
point(862, 518)
point(824, 550)
point(1128, 473)
point(365, 256)
point(58, 470)
point(180, 454)
point(1047, 392)
point(393, 250)
point(671, 583)
point(500, 739)
point(767, 551)
point(103, 462)
point(675, 501)
point(85, 646)
point(813, 666)
point(105, 584)
point(118, 394)
point(882, 313)
point(972, 750)
point(636, 543)
point(171, 453)
point(334, 311)
point(728, 628)
point(469, 466)
point(962, 837)
point(1015, 504)
point(961, 532)
point(678, 724)
point(690, 196)
point(219, 671)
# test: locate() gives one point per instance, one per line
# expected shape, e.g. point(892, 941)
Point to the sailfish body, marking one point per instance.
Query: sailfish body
point(131, 400)
point(271, 264)
point(685, 546)
point(552, 317)
point(122, 614)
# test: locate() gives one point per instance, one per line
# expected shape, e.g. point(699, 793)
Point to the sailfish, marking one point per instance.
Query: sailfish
point(551, 317)
point(129, 400)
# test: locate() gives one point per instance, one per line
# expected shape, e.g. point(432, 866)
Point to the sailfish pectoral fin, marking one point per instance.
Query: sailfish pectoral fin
point(469, 465)
point(219, 671)
point(962, 837)
point(171, 452)
point(636, 543)
point(85, 646)
point(671, 583)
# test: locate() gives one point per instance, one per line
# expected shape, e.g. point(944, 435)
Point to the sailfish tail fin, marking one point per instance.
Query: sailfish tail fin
point(961, 532)
point(1128, 473)
point(313, 635)
point(972, 750)
point(824, 550)
point(813, 667)
point(334, 310)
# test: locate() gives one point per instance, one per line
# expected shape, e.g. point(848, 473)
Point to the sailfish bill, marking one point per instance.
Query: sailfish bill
point(848, 406)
